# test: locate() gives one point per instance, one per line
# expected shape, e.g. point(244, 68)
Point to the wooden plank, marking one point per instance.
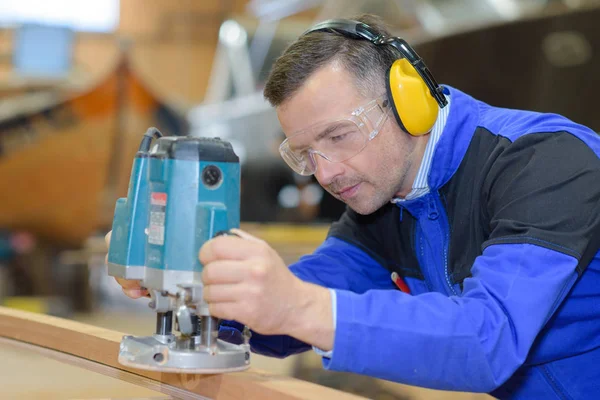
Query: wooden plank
point(176, 392)
point(101, 346)
point(26, 373)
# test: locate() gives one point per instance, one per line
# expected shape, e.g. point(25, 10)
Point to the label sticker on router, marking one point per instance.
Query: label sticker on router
point(156, 230)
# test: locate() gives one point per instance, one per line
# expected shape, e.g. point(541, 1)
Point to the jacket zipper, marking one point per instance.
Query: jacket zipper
point(445, 231)
point(431, 269)
point(421, 255)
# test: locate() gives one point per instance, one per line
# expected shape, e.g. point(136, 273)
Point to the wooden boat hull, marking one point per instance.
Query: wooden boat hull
point(64, 166)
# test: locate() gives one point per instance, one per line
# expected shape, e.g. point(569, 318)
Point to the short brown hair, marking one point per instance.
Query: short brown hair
point(366, 62)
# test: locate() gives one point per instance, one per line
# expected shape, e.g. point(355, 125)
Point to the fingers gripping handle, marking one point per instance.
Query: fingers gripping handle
point(246, 334)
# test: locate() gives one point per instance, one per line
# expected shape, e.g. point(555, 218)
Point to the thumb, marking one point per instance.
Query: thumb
point(107, 239)
point(246, 235)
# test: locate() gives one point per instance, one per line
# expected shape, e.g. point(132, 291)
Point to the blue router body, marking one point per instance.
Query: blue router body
point(180, 195)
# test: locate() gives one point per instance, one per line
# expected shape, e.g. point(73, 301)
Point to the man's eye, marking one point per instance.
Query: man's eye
point(302, 154)
point(337, 138)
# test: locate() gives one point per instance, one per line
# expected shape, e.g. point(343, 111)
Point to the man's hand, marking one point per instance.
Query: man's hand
point(247, 281)
point(130, 287)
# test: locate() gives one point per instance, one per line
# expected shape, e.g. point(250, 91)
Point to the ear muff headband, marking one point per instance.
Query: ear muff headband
point(412, 90)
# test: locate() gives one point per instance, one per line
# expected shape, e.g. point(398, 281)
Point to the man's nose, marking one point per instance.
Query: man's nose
point(326, 170)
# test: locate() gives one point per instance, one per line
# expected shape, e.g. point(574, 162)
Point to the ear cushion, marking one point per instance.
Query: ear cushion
point(416, 110)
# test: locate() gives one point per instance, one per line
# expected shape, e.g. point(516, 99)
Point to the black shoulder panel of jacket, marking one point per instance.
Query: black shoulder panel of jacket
point(544, 189)
point(468, 220)
point(384, 235)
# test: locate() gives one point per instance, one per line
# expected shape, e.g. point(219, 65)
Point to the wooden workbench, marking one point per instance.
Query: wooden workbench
point(96, 349)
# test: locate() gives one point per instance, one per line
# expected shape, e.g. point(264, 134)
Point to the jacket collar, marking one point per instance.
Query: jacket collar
point(455, 139)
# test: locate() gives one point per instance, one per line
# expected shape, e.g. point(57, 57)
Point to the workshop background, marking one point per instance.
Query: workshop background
point(81, 81)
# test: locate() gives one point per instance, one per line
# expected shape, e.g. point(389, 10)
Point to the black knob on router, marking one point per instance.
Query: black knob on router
point(211, 176)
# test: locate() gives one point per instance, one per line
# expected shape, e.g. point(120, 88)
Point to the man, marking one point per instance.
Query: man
point(490, 216)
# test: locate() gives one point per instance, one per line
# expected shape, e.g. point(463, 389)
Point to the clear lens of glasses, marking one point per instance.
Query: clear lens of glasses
point(336, 141)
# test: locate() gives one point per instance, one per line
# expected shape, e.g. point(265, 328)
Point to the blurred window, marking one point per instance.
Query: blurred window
point(42, 51)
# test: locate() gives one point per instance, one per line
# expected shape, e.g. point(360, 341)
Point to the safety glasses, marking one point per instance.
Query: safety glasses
point(337, 140)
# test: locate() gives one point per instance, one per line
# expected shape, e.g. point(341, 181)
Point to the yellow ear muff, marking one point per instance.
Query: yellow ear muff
point(414, 107)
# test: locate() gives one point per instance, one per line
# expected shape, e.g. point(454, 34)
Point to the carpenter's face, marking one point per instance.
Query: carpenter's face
point(317, 121)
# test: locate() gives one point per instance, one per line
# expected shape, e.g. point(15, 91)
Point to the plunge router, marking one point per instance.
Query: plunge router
point(182, 192)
